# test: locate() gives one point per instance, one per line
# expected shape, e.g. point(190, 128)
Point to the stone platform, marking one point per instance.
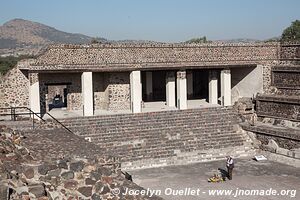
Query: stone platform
point(248, 174)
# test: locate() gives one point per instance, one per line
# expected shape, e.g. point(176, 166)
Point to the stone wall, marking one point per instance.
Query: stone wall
point(14, 87)
point(286, 80)
point(278, 107)
point(278, 73)
point(119, 91)
point(290, 52)
point(116, 57)
point(100, 87)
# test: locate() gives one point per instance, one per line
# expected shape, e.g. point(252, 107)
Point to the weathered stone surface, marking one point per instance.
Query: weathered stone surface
point(104, 171)
point(96, 197)
point(95, 175)
point(86, 191)
point(286, 77)
point(54, 172)
point(76, 166)
point(105, 190)
point(14, 90)
point(43, 198)
point(70, 184)
point(89, 181)
point(45, 168)
point(3, 191)
point(99, 186)
point(62, 164)
point(53, 185)
point(29, 173)
point(38, 190)
point(283, 107)
point(68, 175)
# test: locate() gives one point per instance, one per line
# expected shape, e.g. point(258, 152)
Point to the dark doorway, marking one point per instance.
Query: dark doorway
point(200, 84)
point(57, 95)
point(159, 85)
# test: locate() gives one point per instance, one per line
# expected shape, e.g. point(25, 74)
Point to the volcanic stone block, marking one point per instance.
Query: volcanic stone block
point(38, 190)
point(76, 166)
point(44, 168)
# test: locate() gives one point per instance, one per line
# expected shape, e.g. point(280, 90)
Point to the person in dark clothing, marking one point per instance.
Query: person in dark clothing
point(230, 166)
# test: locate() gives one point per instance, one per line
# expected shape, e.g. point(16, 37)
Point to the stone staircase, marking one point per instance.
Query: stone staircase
point(166, 138)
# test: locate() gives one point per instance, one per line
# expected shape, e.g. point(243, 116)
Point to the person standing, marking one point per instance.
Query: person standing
point(230, 166)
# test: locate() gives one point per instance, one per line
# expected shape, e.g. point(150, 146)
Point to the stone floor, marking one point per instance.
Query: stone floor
point(248, 175)
point(148, 107)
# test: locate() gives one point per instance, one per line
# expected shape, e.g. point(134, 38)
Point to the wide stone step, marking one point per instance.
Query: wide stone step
point(164, 114)
point(153, 127)
point(137, 123)
point(183, 158)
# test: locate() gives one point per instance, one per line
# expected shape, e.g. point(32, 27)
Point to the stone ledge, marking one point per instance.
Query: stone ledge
point(192, 157)
point(282, 132)
point(281, 158)
point(279, 98)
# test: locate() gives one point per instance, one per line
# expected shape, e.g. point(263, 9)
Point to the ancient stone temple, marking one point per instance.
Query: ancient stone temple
point(159, 101)
point(127, 76)
point(110, 107)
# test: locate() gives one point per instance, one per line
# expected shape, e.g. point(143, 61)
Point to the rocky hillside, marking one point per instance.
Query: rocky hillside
point(27, 37)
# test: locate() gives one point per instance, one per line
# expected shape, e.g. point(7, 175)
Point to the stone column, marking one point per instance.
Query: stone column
point(149, 87)
point(87, 93)
point(226, 87)
point(213, 87)
point(189, 77)
point(181, 90)
point(170, 89)
point(136, 91)
point(34, 92)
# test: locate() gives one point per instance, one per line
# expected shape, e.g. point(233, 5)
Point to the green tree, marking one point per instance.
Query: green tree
point(6, 63)
point(95, 41)
point(198, 40)
point(291, 33)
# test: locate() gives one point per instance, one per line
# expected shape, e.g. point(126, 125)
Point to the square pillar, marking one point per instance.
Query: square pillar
point(87, 93)
point(149, 87)
point(189, 77)
point(170, 89)
point(34, 92)
point(213, 87)
point(226, 87)
point(136, 91)
point(181, 90)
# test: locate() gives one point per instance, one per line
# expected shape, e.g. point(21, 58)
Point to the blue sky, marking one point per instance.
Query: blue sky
point(160, 20)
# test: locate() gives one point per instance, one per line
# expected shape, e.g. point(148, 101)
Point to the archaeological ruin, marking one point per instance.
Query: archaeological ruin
point(151, 105)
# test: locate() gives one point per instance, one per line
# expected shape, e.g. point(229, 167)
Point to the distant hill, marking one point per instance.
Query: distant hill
point(19, 35)
point(239, 40)
point(24, 37)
